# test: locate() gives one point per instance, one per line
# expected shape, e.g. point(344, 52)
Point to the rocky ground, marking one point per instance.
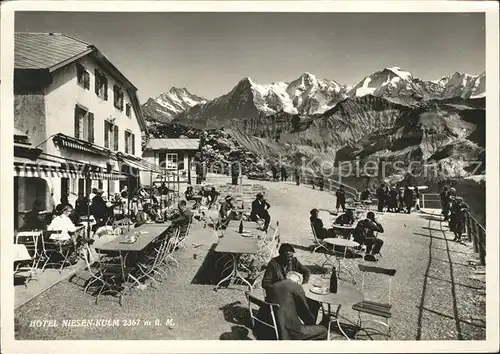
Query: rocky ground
point(437, 294)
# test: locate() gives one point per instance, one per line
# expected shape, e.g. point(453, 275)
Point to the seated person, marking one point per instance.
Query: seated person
point(226, 211)
point(366, 195)
point(142, 216)
point(294, 319)
point(182, 218)
point(345, 219)
point(66, 227)
point(278, 267)
point(33, 220)
point(317, 225)
point(364, 233)
point(260, 209)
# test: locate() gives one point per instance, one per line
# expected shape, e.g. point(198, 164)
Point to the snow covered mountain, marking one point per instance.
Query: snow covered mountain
point(401, 87)
point(463, 85)
point(261, 108)
point(167, 106)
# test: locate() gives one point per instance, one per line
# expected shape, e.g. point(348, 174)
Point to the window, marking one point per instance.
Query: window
point(84, 124)
point(133, 144)
point(129, 142)
point(101, 85)
point(108, 134)
point(128, 110)
point(171, 161)
point(83, 76)
point(118, 97)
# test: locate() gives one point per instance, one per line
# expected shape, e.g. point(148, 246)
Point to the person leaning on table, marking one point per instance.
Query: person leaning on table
point(294, 318)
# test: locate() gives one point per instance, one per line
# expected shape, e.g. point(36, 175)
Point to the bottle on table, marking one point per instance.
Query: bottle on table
point(240, 230)
point(333, 281)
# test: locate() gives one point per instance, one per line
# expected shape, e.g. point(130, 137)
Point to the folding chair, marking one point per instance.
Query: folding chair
point(24, 264)
point(318, 244)
point(272, 308)
point(374, 308)
point(54, 248)
point(183, 235)
point(105, 277)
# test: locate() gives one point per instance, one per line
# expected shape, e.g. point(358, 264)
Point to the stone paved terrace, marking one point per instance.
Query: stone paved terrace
point(437, 293)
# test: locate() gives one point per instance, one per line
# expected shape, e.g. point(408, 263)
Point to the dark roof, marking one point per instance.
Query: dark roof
point(47, 50)
point(51, 51)
point(173, 144)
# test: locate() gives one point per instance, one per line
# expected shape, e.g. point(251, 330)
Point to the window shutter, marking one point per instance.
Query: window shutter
point(77, 123)
point(106, 134)
point(86, 83)
point(115, 131)
point(126, 141)
point(97, 81)
point(91, 127)
point(105, 88)
point(133, 144)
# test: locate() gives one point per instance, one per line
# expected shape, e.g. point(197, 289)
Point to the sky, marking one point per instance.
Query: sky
point(208, 53)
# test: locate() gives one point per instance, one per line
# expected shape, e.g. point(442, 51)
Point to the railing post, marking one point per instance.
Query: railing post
point(475, 233)
point(469, 226)
point(482, 246)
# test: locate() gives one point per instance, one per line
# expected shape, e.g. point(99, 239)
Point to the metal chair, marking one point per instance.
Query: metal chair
point(375, 308)
point(54, 248)
point(318, 244)
point(107, 276)
point(272, 308)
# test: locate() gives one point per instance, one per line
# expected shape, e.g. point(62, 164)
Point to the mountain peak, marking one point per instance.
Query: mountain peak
point(401, 73)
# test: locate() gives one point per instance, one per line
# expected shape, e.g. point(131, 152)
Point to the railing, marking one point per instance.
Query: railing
point(330, 184)
point(476, 233)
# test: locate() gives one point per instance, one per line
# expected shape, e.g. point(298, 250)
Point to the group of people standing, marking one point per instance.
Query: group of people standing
point(454, 210)
point(395, 200)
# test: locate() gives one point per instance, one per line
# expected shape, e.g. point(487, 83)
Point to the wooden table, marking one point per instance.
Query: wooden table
point(148, 233)
point(340, 242)
point(235, 244)
point(346, 295)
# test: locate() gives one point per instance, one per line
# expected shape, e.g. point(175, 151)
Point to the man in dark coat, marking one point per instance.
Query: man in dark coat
point(235, 172)
point(340, 195)
point(408, 199)
point(296, 173)
point(458, 218)
point(294, 318)
point(365, 234)
point(260, 210)
point(278, 267)
point(392, 200)
point(444, 202)
point(381, 197)
point(283, 173)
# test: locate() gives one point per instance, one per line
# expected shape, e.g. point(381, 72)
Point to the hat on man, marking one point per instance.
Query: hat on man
point(228, 198)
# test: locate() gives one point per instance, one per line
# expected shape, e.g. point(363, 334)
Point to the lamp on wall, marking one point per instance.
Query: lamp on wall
point(111, 119)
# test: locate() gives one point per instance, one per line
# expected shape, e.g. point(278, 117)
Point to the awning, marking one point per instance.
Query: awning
point(28, 168)
point(81, 145)
point(137, 162)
